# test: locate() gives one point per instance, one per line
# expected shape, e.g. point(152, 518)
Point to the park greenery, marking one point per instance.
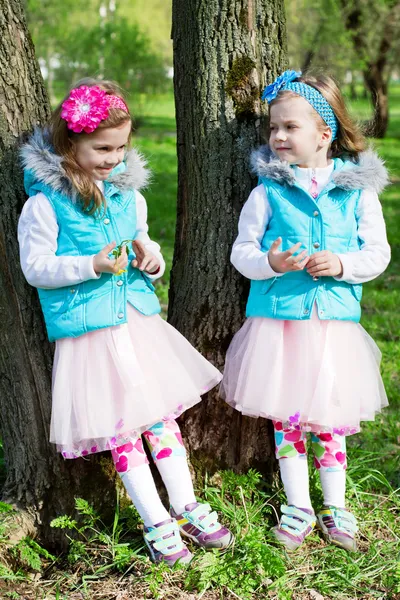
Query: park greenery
point(104, 39)
point(319, 35)
point(356, 40)
point(109, 560)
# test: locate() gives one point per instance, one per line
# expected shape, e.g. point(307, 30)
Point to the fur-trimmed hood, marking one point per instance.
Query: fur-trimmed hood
point(41, 164)
point(368, 172)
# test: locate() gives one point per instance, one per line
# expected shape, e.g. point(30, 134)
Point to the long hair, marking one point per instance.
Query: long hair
point(62, 139)
point(349, 141)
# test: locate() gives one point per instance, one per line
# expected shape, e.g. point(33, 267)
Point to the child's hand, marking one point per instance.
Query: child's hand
point(102, 263)
point(283, 262)
point(324, 264)
point(145, 260)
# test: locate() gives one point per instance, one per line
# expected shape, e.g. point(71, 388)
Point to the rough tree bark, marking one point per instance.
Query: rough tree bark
point(224, 53)
point(39, 483)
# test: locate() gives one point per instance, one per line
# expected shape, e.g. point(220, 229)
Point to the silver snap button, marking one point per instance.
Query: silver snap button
point(72, 291)
point(316, 244)
point(119, 282)
point(106, 221)
point(316, 213)
point(315, 278)
point(120, 315)
point(306, 311)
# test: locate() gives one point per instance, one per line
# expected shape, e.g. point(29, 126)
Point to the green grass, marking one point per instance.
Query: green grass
point(111, 559)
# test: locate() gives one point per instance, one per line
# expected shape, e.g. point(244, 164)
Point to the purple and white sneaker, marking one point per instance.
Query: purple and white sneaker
point(339, 527)
point(201, 525)
point(294, 526)
point(165, 543)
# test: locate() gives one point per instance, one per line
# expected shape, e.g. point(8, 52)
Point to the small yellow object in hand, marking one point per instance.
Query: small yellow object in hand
point(117, 253)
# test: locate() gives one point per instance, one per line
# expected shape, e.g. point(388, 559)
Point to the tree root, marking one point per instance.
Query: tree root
point(16, 524)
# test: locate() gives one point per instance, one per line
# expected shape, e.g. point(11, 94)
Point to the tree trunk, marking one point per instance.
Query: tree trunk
point(378, 88)
point(224, 54)
point(39, 482)
point(353, 87)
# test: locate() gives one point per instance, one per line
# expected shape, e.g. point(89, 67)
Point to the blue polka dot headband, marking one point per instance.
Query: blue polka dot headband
point(313, 97)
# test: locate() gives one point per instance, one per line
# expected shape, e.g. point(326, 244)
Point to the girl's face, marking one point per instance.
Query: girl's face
point(294, 134)
point(99, 152)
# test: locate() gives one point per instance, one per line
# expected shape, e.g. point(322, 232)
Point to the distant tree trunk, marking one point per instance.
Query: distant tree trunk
point(39, 483)
point(353, 87)
point(310, 52)
point(224, 53)
point(377, 84)
point(308, 58)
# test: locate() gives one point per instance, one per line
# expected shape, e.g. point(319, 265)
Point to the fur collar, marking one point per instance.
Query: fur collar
point(368, 173)
point(45, 166)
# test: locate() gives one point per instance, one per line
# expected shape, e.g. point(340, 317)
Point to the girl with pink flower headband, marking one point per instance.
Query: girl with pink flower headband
point(120, 371)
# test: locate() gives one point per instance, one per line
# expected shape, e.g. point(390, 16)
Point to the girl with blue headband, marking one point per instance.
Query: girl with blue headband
point(310, 234)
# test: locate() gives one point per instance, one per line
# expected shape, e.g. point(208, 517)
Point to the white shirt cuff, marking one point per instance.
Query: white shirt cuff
point(266, 270)
point(86, 269)
point(346, 266)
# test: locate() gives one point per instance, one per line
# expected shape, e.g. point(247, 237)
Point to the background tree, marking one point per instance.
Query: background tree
point(317, 37)
point(224, 53)
point(115, 50)
point(154, 18)
point(50, 24)
point(352, 39)
point(111, 45)
point(374, 26)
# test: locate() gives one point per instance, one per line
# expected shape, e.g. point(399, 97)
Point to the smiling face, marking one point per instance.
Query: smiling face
point(296, 135)
point(99, 152)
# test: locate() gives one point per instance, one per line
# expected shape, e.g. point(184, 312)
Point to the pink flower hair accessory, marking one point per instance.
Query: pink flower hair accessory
point(86, 107)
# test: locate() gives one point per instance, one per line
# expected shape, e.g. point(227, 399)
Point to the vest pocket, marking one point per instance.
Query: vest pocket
point(267, 285)
point(57, 301)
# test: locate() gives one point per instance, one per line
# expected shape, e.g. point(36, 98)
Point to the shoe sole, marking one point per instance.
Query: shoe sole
point(330, 540)
point(196, 541)
point(183, 561)
point(282, 542)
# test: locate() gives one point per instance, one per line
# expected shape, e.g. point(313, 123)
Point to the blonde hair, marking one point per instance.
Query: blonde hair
point(62, 139)
point(349, 141)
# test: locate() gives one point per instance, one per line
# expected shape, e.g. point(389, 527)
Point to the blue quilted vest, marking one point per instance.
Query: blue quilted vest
point(325, 223)
point(97, 303)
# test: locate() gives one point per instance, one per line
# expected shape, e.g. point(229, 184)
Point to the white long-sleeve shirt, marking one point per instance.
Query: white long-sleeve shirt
point(358, 267)
point(37, 236)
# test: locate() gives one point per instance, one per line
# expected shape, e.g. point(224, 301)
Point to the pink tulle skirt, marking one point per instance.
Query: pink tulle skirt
point(316, 375)
point(111, 384)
